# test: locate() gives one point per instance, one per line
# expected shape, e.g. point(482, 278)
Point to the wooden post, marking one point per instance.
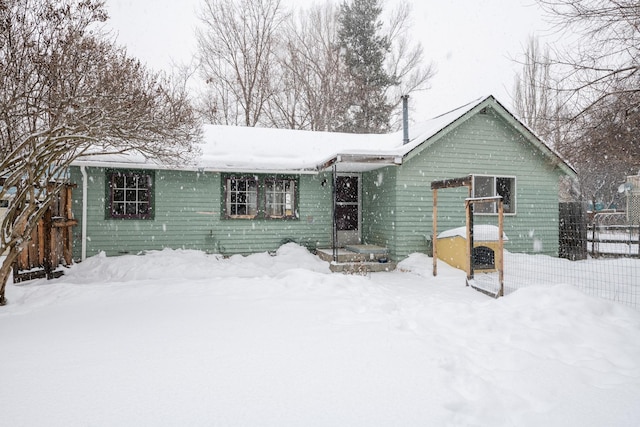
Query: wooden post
point(500, 257)
point(68, 234)
point(334, 230)
point(434, 239)
point(468, 207)
point(46, 230)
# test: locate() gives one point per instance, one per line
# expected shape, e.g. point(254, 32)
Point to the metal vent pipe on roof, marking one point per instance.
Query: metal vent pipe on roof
point(405, 119)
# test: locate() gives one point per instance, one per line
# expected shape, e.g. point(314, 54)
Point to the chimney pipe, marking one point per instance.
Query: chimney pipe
point(405, 119)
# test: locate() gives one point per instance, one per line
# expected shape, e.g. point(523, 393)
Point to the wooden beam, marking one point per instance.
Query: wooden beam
point(465, 181)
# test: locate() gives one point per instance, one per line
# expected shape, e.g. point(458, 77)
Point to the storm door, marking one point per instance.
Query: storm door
point(347, 214)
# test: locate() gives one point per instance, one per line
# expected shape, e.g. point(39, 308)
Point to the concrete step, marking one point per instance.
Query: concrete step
point(362, 267)
point(356, 259)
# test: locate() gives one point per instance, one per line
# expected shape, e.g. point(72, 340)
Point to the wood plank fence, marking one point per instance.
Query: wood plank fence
point(50, 245)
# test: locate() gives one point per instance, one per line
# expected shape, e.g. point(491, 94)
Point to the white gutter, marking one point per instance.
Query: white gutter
point(84, 211)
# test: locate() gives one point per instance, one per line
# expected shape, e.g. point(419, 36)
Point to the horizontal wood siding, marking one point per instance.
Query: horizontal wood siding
point(183, 212)
point(188, 214)
point(312, 228)
point(485, 144)
point(379, 207)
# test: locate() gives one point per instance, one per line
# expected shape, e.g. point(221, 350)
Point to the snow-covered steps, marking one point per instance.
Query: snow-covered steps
point(357, 259)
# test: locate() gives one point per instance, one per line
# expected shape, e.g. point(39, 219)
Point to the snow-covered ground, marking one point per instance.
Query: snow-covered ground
point(181, 338)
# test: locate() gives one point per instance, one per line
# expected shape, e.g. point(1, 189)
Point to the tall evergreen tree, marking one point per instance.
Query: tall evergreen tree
point(364, 49)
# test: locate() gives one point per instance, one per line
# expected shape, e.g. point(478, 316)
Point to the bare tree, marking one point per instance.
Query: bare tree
point(598, 77)
point(65, 92)
point(406, 60)
point(532, 89)
point(536, 98)
point(605, 149)
point(311, 84)
point(236, 45)
point(603, 54)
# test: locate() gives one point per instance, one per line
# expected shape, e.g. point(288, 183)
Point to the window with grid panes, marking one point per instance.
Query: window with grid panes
point(130, 195)
point(241, 197)
point(280, 196)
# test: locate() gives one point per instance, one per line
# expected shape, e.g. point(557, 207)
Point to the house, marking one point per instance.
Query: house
point(253, 188)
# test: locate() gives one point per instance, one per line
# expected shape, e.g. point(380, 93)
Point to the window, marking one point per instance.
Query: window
point(279, 198)
point(242, 197)
point(489, 186)
point(347, 206)
point(129, 195)
point(250, 197)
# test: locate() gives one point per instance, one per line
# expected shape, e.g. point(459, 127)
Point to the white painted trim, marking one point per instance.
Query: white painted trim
point(84, 211)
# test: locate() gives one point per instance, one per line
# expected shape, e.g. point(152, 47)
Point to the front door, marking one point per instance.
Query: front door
point(347, 215)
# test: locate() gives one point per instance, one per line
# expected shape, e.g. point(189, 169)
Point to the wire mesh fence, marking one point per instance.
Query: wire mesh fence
point(599, 254)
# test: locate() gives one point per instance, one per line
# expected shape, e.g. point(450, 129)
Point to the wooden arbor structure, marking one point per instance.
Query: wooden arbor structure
point(467, 181)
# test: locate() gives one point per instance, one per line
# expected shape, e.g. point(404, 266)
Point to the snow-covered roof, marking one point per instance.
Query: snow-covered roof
point(269, 150)
point(255, 149)
point(481, 232)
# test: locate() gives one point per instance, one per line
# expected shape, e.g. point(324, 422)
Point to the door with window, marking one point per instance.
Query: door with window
point(347, 215)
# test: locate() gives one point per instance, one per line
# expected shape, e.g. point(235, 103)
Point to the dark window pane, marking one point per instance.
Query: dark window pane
point(347, 217)
point(130, 208)
point(347, 189)
point(118, 196)
point(118, 209)
point(118, 181)
point(505, 189)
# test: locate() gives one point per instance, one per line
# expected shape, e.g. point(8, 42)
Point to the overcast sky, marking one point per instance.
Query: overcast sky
point(472, 43)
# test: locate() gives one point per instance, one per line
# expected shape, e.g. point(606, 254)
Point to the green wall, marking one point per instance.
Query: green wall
point(397, 201)
point(486, 144)
point(188, 214)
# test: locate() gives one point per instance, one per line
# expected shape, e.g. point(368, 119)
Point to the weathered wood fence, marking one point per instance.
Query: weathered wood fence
point(50, 245)
point(573, 231)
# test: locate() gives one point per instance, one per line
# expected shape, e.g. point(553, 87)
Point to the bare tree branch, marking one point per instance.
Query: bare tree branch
point(66, 91)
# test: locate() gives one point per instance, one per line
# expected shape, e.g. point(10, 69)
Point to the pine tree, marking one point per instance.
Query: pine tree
point(364, 50)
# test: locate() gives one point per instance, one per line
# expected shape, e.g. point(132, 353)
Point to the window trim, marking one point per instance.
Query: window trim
point(109, 190)
point(261, 197)
point(294, 197)
point(228, 193)
point(514, 198)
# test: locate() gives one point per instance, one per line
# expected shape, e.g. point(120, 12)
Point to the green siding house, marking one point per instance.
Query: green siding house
point(252, 189)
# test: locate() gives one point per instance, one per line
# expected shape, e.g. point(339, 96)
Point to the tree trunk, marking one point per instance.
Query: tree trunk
point(5, 271)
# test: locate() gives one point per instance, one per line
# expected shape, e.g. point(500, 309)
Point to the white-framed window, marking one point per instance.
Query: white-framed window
point(280, 198)
point(129, 195)
point(490, 186)
point(256, 196)
point(241, 197)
